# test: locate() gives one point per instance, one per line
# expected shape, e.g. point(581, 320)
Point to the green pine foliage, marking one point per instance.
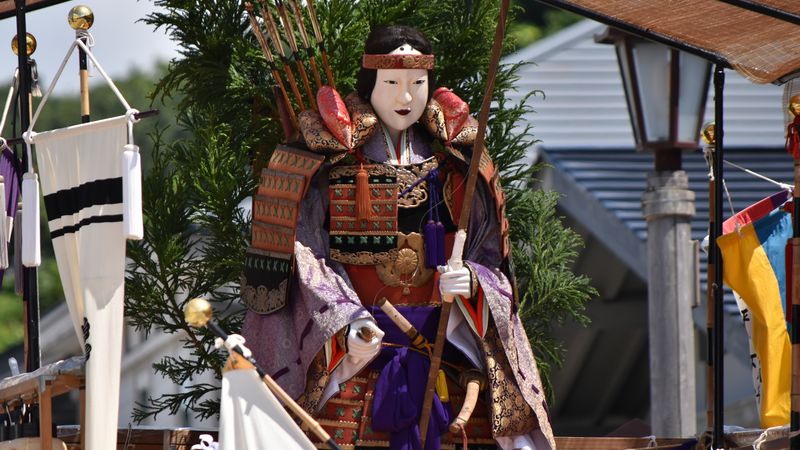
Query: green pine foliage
point(195, 232)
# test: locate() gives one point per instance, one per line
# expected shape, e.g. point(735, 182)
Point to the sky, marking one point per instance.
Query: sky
point(121, 43)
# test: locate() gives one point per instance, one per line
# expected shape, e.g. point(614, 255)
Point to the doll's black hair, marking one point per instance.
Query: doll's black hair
point(381, 41)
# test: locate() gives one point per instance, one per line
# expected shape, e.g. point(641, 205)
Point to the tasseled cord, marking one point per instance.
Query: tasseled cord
point(793, 138)
point(31, 233)
point(36, 87)
point(362, 190)
point(434, 229)
point(132, 220)
point(464, 438)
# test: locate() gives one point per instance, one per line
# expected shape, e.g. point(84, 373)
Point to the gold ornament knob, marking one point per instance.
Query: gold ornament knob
point(80, 17)
point(794, 105)
point(198, 312)
point(30, 44)
point(708, 133)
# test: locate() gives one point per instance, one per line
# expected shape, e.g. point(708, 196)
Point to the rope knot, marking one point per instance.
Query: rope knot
point(84, 34)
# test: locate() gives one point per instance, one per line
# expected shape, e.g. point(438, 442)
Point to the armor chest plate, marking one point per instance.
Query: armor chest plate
point(367, 241)
point(394, 192)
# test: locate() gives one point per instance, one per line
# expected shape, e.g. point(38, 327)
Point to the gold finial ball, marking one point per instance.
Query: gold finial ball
point(794, 105)
point(708, 133)
point(30, 44)
point(198, 312)
point(80, 17)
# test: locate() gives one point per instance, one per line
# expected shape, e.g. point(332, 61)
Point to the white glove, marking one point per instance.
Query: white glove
point(232, 342)
point(206, 442)
point(455, 282)
point(358, 347)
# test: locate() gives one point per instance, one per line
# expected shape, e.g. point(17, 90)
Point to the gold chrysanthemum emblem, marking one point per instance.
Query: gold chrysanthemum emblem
point(407, 261)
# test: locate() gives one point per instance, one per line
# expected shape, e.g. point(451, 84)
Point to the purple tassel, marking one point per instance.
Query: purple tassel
point(440, 261)
point(434, 229)
point(431, 234)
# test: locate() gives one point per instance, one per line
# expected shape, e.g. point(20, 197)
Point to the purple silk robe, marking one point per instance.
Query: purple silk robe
point(322, 301)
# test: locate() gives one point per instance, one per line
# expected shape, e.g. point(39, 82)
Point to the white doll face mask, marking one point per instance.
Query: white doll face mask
point(400, 95)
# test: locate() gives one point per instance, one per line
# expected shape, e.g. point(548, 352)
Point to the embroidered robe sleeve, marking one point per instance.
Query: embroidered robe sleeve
point(321, 301)
point(507, 358)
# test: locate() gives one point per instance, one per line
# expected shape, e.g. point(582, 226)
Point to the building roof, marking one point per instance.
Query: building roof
point(8, 7)
point(583, 106)
point(616, 179)
point(584, 130)
point(757, 38)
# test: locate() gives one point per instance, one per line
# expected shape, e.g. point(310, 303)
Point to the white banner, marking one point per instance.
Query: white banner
point(81, 175)
point(251, 418)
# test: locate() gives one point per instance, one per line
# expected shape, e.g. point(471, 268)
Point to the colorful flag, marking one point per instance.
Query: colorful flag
point(754, 267)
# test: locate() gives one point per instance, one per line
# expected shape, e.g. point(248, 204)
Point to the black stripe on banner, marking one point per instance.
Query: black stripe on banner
point(85, 222)
point(67, 202)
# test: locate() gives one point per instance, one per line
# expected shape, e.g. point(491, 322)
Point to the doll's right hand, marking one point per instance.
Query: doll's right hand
point(363, 339)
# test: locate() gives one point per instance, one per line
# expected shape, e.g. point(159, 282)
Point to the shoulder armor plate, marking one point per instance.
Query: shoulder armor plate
point(270, 259)
point(334, 129)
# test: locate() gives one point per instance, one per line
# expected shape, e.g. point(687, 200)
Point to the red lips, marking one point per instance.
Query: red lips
point(403, 112)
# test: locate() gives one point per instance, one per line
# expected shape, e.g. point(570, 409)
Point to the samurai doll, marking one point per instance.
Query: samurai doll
point(362, 214)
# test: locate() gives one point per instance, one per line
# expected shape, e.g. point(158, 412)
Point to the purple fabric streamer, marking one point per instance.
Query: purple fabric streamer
point(399, 393)
point(9, 169)
point(398, 402)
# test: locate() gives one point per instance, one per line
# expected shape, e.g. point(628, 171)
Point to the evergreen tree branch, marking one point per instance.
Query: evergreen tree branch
point(195, 231)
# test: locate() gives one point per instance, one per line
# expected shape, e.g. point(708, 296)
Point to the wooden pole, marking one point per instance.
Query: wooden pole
point(715, 261)
point(198, 314)
point(80, 19)
point(708, 137)
point(794, 440)
point(30, 295)
point(46, 416)
point(455, 261)
point(86, 109)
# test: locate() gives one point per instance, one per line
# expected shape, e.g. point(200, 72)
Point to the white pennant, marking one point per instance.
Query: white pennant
point(19, 287)
point(31, 235)
point(133, 223)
